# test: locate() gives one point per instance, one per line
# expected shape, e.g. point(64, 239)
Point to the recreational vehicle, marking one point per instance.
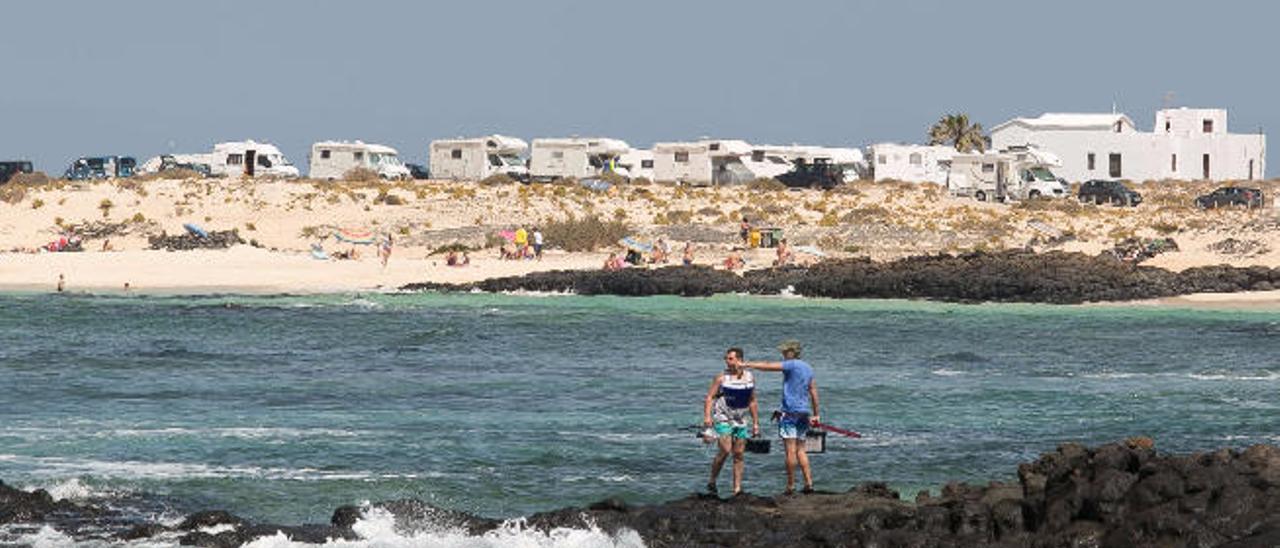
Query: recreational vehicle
point(714, 162)
point(1016, 173)
point(576, 157)
point(247, 158)
point(476, 159)
point(9, 169)
point(334, 159)
point(639, 163)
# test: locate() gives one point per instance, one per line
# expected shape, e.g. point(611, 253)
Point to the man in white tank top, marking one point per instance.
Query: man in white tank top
point(731, 396)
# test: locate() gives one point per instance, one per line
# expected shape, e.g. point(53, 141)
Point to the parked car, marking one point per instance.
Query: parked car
point(819, 173)
point(1231, 196)
point(100, 167)
point(1108, 192)
point(9, 169)
point(418, 171)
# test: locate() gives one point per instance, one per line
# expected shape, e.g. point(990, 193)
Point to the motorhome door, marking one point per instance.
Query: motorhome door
point(250, 160)
point(1002, 175)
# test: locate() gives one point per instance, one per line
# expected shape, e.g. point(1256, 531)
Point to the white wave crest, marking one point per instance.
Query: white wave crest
point(378, 529)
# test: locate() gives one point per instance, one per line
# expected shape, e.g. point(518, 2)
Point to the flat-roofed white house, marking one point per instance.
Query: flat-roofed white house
point(911, 163)
point(1185, 144)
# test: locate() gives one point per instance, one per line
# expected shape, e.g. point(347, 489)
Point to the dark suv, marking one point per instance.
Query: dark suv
point(1108, 192)
point(1231, 196)
point(9, 169)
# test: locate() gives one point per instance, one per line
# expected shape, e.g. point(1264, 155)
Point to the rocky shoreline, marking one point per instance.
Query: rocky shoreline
point(1121, 494)
point(1007, 276)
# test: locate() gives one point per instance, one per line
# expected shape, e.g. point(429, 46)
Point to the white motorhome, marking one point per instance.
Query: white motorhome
point(333, 159)
point(639, 163)
point(1017, 173)
point(478, 158)
point(576, 157)
point(250, 159)
point(709, 161)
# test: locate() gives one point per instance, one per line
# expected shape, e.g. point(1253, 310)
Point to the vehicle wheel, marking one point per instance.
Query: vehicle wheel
point(1097, 200)
point(980, 196)
point(1034, 194)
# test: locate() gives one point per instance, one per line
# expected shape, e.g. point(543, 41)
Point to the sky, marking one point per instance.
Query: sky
point(147, 77)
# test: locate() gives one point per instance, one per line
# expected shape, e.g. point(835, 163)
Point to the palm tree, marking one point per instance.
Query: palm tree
point(955, 130)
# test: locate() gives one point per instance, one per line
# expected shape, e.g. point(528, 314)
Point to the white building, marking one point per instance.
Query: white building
point(333, 159)
point(475, 159)
point(576, 157)
point(1186, 144)
point(911, 163)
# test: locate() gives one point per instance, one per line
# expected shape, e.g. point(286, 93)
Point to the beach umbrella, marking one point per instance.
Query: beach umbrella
point(508, 235)
point(635, 245)
point(354, 236)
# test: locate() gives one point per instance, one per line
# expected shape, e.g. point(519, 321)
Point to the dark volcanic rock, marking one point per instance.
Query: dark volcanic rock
point(221, 239)
point(1117, 495)
point(1007, 276)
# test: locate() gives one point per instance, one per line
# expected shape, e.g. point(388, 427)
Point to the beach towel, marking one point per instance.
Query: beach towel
point(354, 236)
point(195, 230)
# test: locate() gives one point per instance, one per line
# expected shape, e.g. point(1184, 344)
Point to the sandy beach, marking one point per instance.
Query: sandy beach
point(282, 220)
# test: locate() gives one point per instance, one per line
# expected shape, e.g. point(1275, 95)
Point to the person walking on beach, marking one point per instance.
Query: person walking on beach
point(688, 254)
point(384, 250)
point(731, 396)
point(537, 243)
point(522, 243)
point(799, 409)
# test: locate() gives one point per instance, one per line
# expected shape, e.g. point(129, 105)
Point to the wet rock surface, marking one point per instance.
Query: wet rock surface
point(1117, 495)
point(1009, 276)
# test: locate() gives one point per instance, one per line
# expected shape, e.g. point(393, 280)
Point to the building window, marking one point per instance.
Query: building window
point(557, 154)
point(880, 159)
point(1205, 161)
point(915, 159)
point(456, 154)
point(682, 157)
point(1173, 163)
point(988, 168)
point(1091, 161)
point(324, 154)
point(1113, 166)
point(1208, 126)
point(646, 164)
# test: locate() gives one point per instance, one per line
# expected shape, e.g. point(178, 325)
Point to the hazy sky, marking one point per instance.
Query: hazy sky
point(145, 77)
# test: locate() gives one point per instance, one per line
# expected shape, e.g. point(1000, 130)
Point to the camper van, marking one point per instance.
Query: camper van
point(250, 159)
point(576, 157)
point(1015, 173)
point(709, 162)
point(476, 159)
point(333, 159)
point(100, 167)
point(9, 169)
point(638, 163)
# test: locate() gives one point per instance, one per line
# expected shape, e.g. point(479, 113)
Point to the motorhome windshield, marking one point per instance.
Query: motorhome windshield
point(512, 160)
point(1042, 173)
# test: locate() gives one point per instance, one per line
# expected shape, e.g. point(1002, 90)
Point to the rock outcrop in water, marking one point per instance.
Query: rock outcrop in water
point(1008, 276)
point(1116, 495)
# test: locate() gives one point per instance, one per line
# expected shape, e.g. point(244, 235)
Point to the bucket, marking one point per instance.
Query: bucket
point(815, 442)
point(758, 445)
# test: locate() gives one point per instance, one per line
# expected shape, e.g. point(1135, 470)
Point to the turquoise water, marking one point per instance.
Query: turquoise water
point(282, 408)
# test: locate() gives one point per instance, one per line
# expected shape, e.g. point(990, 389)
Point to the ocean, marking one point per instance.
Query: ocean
point(282, 408)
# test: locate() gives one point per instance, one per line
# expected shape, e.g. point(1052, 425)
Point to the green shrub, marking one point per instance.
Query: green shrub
point(765, 184)
point(30, 179)
point(105, 205)
point(585, 234)
point(360, 175)
point(138, 218)
point(37, 203)
point(497, 179)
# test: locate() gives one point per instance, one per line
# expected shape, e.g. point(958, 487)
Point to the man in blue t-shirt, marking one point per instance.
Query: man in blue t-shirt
point(799, 408)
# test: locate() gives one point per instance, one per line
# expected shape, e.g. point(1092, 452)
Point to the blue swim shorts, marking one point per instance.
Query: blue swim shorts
point(793, 426)
point(727, 429)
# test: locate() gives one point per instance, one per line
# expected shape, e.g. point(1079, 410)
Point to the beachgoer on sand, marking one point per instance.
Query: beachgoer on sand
point(744, 230)
point(799, 409)
point(688, 254)
point(537, 243)
point(783, 252)
point(62, 283)
point(613, 262)
point(384, 250)
point(729, 399)
point(522, 242)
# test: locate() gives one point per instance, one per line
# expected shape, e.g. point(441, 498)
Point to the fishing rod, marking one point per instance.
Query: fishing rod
point(836, 429)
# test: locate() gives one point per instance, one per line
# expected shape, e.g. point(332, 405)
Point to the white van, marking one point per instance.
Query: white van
point(478, 158)
point(333, 159)
point(250, 159)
